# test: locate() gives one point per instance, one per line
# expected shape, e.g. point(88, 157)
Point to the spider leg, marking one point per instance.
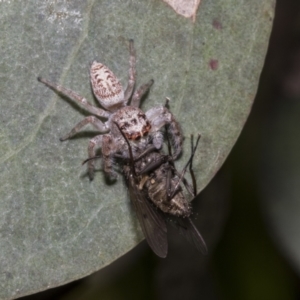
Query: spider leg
point(160, 116)
point(95, 141)
point(90, 119)
point(137, 96)
point(75, 97)
point(108, 150)
point(157, 139)
point(132, 72)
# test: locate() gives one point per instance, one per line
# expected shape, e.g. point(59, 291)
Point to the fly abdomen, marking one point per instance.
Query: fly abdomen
point(158, 193)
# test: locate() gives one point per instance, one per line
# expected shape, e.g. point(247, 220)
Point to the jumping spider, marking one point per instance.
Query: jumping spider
point(143, 130)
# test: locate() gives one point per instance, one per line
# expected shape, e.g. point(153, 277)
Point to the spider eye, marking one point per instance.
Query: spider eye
point(124, 126)
point(142, 116)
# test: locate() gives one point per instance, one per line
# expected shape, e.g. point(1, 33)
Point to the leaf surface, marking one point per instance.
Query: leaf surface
point(56, 226)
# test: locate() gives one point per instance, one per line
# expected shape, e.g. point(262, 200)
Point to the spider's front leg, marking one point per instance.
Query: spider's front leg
point(108, 151)
point(107, 145)
point(160, 116)
point(95, 141)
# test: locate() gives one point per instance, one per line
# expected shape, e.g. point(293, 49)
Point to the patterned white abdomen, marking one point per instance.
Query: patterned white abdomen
point(106, 86)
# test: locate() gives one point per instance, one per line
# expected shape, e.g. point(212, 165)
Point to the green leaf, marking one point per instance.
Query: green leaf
point(56, 225)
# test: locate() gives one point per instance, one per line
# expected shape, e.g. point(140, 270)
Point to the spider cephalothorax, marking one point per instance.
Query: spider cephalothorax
point(142, 129)
point(132, 121)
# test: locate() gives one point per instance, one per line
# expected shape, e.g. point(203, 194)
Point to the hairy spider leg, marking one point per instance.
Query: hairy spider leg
point(76, 98)
point(140, 92)
point(132, 72)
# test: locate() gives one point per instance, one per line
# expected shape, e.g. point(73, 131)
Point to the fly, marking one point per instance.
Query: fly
point(155, 190)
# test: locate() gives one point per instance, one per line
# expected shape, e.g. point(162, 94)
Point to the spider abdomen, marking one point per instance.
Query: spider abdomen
point(106, 86)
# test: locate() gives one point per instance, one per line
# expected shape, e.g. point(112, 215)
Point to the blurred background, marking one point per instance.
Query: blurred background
point(253, 199)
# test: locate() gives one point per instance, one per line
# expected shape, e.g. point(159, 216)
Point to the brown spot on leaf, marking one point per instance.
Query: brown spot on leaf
point(217, 24)
point(214, 64)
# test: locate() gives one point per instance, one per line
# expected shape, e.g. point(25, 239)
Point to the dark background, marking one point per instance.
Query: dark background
point(244, 261)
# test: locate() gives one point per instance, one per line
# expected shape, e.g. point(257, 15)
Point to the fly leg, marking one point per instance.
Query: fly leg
point(191, 189)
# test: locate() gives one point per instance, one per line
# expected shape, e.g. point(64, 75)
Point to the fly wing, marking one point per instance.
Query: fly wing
point(151, 220)
point(187, 228)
